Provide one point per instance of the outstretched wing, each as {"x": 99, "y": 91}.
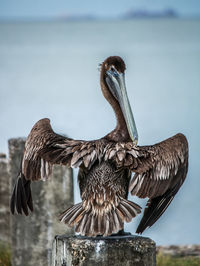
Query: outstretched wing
{"x": 160, "y": 170}
{"x": 43, "y": 148}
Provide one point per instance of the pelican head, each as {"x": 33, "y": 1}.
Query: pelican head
{"x": 113, "y": 78}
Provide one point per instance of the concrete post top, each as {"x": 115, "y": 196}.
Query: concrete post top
{"x": 2, "y": 155}
{"x": 137, "y": 243}
{"x": 3, "y": 159}
{"x": 17, "y": 141}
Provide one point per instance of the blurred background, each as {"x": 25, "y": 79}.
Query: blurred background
{"x": 49, "y": 56}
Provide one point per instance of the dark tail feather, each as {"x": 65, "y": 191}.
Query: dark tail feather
{"x": 21, "y": 198}
{"x": 154, "y": 209}
{"x": 96, "y": 221}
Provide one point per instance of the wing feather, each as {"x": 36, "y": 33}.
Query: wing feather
{"x": 160, "y": 171}
{"x": 43, "y": 148}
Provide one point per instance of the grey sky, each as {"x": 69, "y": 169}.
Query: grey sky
{"x": 105, "y": 8}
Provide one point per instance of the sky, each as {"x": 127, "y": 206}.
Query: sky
{"x": 104, "y": 8}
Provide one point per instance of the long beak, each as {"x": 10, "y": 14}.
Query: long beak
{"x": 116, "y": 84}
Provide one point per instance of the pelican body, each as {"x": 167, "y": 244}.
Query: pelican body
{"x": 105, "y": 167}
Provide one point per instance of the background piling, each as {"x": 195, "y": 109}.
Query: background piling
{"x": 32, "y": 236}
{"x": 4, "y": 200}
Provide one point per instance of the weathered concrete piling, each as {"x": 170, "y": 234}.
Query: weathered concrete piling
{"x": 32, "y": 236}
{"x": 4, "y": 200}
{"x": 103, "y": 251}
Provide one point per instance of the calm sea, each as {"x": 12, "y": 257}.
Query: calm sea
{"x": 51, "y": 70}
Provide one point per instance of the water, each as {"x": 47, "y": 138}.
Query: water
{"x": 51, "y": 70}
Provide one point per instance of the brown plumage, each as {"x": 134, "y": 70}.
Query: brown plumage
{"x": 106, "y": 166}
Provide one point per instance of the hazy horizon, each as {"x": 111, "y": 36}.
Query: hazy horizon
{"x": 26, "y": 9}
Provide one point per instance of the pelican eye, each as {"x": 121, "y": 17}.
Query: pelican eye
{"x": 112, "y": 68}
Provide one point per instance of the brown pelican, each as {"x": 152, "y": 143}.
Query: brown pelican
{"x": 105, "y": 167}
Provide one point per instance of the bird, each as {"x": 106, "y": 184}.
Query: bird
{"x": 109, "y": 168}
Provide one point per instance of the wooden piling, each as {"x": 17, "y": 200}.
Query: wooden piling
{"x": 4, "y": 200}
{"x": 125, "y": 250}
{"x": 32, "y": 236}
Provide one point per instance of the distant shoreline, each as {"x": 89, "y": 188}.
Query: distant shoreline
{"x": 179, "y": 250}
{"x": 75, "y": 20}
